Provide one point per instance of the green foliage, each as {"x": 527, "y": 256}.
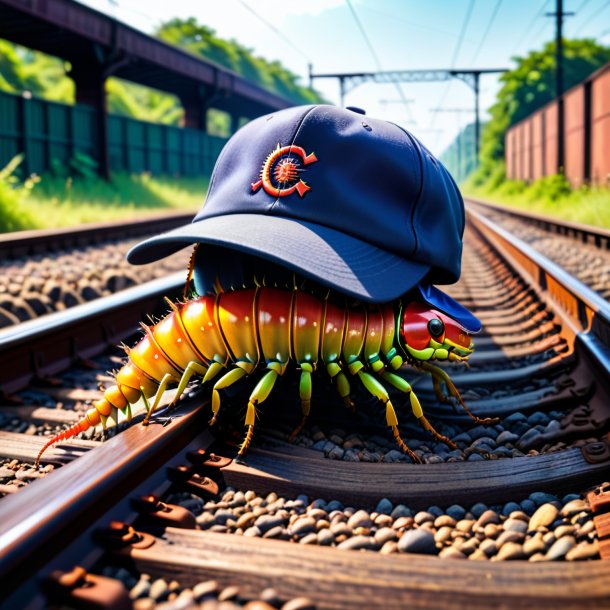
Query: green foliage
{"x": 459, "y": 156}
{"x": 14, "y": 216}
{"x": 529, "y": 86}
{"x": 66, "y": 201}
{"x": 551, "y": 195}
{"x": 202, "y": 40}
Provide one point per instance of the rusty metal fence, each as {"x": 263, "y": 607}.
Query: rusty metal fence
{"x": 531, "y": 144}
{"x": 49, "y": 133}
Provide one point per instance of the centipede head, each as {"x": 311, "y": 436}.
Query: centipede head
{"x": 429, "y": 334}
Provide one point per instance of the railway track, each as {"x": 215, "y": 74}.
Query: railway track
{"x": 582, "y": 250}
{"x": 293, "y": 516}
{"x": 52, "y": 270}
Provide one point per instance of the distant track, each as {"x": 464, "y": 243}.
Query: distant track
{"x": 24, "y": 243}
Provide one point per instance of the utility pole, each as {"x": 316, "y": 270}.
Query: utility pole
{"x": 559, "y": 15}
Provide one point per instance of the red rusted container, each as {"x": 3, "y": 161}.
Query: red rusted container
{"x": 518, "y": 152}
{"x": 574, "y": 135}
{"x": 600, "y": 127}
{"x": 510, "y": 153}
{"x": 550, "y": 138}
{"x": 537, "y": 145}
{"x": 526, "y": 134}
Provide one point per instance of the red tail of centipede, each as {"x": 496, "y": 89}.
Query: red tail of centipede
{"x": 129, "y": 389}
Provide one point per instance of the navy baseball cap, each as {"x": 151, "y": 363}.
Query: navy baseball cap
{"x": 356, "y": 203}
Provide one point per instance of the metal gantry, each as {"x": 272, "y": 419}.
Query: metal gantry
{"x": 471, "y": 76}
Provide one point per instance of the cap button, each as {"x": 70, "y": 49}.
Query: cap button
{"x": 356, "y": 109}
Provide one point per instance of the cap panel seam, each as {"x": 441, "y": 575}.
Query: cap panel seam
{"x": 421, "y": 184}
{"x": 296, "y": 133}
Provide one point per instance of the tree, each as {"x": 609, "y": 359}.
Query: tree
{"x": 202, "y": 40}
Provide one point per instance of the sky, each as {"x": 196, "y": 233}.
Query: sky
{"x": 368, "y": 35}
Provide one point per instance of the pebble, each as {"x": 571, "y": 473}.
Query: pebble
{"x": 325, "y": 537}
{"x": 574, "y": 507}
{"x": 360, "y": 519}
{"x": 489, "y": 547}
{"x": 311, "y": 539}
{"x": 266, "y": 522}
{"x": 534, "y": 545}
{"x": 584, "y": 550}
{"x": 158, "y": 590}
{"x": 443, "y": 521}
{"x": 208, "y": 588}
{"x": 384, "y": 507}
{"x": 540, "y": 497}
{"x": 506, "y": 437}
{"x": 141, "y": 589}
{"x": 228, "y": 594}
{"x": 423, "y": 516}
{"x": 384, "y": 534}
{"x": 515, "y": 525}
{"x": 259, "y": 605}
{"x": 417, "y": 541}
{"x": 509, "y": 551}
{"x": 451, "y": 553}
{"x": 456, "y": 511}
{"x": 400, "y": 510}
{"x": 561, "y": 547}
{"x": 543, "y": 517}
{"x": 360, "y": 542}
{"x": 303, "y": 526}
{"x": 509, "y": 536}
{"x": 489, "y": 516}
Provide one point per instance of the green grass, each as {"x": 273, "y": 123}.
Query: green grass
{"x": 551, "y": 196}
{"x": 58, "y": 202}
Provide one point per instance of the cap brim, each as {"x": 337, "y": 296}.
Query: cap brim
{"x": 331, "y": 257}
{"x": 444, "y": 303}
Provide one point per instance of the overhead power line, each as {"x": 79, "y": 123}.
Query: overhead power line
{"x": 456, "y": 52}
{"x": 530, "y": 27}
{"x": 274, "y": 29}
{"x": 484, "y": 38}
{"x": 602, "y": 8}
{"x": 376, "y": 57}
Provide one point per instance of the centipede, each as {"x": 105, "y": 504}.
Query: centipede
{"x": 260, "y": 331}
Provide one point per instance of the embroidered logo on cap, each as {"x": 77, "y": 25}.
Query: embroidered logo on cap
{"x": 280, "y": 172}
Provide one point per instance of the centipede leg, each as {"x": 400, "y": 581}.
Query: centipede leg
{"x": 216, "y": 367}
{"x": 260, "y": 394}
{"x": 191, "y": 369}
{"x": 377, "y": 390}
{"x": 305, "y": 395}
{"x": 438, "y": 376}
{"x": 343, "y": 388}
{"x": 167, "y": 379}
{"x": 225, "y": 381}
{"x": 403, "y": 385}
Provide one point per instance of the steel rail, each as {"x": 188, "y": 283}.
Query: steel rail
{"x": 44, "y": 520}
{"x": 588, "y": 234}
{"x": 25, "y": 243}
{"x": 587, "y": 313}
{"x": 43, "y": 346}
